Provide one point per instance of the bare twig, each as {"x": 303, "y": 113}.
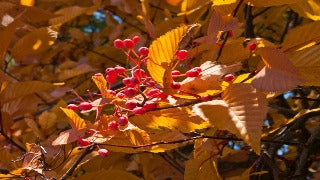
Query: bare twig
{"x": 227, "y": 33}
{"x": 301, "y": 163}
{"x": 261, "y": 12}
{"x": 87, "y": 151}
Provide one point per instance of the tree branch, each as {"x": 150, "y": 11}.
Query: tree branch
{"x": 249, "y": 27}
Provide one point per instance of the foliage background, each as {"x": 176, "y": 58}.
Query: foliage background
{"x": 49, "y": 47}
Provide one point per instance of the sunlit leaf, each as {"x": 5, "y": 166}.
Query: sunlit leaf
{"x": 174, "y": 119}
{"x": 162, "y": 52}
{"x": 210, "y": 78}
{"x": 75, "y": 121}
{"x": 279, "y": 74}
{"x": 259, "y": 3}
{"x": 307, "y": 8}
{"x": 241, "y": 112}
{"x": 27, "y": 2}
{"x": 301, "y": 36}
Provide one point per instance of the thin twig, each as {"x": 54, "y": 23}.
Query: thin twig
{"x": 261, "y": 12}
{"x": 227, "y": 33}
{"x": 87, "y": 151}
{"x": 249, "y": 27}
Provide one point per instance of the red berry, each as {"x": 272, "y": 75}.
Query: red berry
{"x": 111, "y": 79}
{"x": 123, "y": 120}
{"x": 111, "y": 72}
{"x": 181, "y": 54}
{"x": 206, "y": 97}
{"x": 72, "y": 107}
{"x": 85, "y": 106}
{"x": 151, "y": 83}
{"x": 131, "y": 104}
{"x": 118, "y": 43}
{"x": 176, "y": 85}
{"x": 130, "y": 92}
{"x": 218, "y": 44}
{"x": 27, "y": 178}
{"x": 228, "y": 77}
{"x": 126, "y": 81}
{"x": 120, "y": 95}
{"x": 136, "y": 39}
{"x": 83, "y": 142}
{"x": 150, "y": 105}
{"x": 252, "y": 46}
{"x": 192, "y": 73}
{"x": 111, "y": 92}
{"x": 128, "y": 43}
{"x": 153, "y": 93}
{"x": 113, "y": 125}
{"x": 163, "y": 96}
{"x": 90, "y": 132}
{"x": 138, "y": 110}
{"x": 231, "y": 33}
{"x": 134, "y": 81}
{"x": 144, "y": 51}
{"x": 98, "y": 74}
{"x": 120, "y": 69}
{"x": 139, "y": 73}
{"x": 103, "y": 152}
{"x": 198, "y": 69}
{"x": 175, "y": 73}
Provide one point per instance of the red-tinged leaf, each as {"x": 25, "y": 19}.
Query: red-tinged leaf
{"x": 275, "y": 80}
{"x": 279, "y": 74}
{"x": 210, "y": 79}
{"x": 68, "y": 136}
{"x": 218, "y": 23}
{"x": 75, "y": 121}
{"x": 241, "y": 112}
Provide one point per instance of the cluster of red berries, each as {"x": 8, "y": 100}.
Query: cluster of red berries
{"x": 140, "y": 93}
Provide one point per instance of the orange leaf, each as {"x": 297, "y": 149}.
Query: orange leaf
{"x": 75, "y": 121}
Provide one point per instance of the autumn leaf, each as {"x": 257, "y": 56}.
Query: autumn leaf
{"x": 75, "y": 121}
{"x": 20, "y": 89}
{"x": 269, "y": 3}
{"x": 307, "y": 8}
{"x": 243, "y": 115}
{"x": 308, "y": 63}
{"x": 174, "y": 119}
{"x": 68, "y": 136}
{"x": 101, "y": 83}
{"x": 162, "y": 52}
{"x": 306, "y": 33}
{"x": 279, "y": 74}
{"x": 210, "y": 79}
{"x": 218, "y": 23}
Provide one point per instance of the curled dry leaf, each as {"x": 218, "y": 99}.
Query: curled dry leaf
{"x": 241, "y": 112}
{"x": 210, "y": 79}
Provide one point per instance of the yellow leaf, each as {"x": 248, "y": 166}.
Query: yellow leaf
{"x": 68, "y": 136}
{"x": 308, "y": 63}
{"x": 174, "y": 119}
{"x": 47, "y": 120}
{"x": 202, "y": 167}
{"x": 162, "y": 52}
{"x": 33, "y": 43}
{"x": 241, "y": 112}
{"x": 76, "y": 71}
{"x": 138, "y": 137}
{"x": 223, "y": 2}
{"x": 190, "y": 6}
{"x": 101, "y": 83}
{"x": 67, "y": 14}
{"x": 173, "y": 2}
{"x": 307, "y": 8}
{"x": 20, "y": 89}
{"x": 102, "y": 174}
{"x": 210, "y": 79}
{"x": 27, "y": 2}
{"x": 302, "y": 35}
{"x": 268, "y": 3}
{"x": 75, "y": 120}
